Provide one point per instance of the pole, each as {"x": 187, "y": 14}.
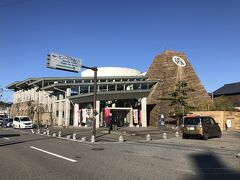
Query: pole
{"x": 95, "y": 69}
{"x": 38, "y": 111}
{"x": 94, "y": 100}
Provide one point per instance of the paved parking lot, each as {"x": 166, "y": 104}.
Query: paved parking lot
{"x": 54, "y": 158}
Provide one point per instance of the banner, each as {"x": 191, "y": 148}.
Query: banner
{"x": 84, "y": 117}
{"x": 135, "y": 116}
{"x": 107, "y": 115}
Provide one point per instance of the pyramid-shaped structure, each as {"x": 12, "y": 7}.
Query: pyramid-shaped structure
{"x": 169, "y": 68}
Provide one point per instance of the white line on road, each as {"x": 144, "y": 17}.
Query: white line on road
{"x": 183, "y": 170}
{"x": 6, "y": 138}
{"x": 53, "y": 154}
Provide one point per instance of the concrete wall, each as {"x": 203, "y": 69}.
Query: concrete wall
{"x": 29, "y": 109}
{"x": 222, "y": 116}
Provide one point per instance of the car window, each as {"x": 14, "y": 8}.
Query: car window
{"x": 25, "y": 119}
{"x": 16, "y": 119}
{"x": 212, "y": 121}
{"x": 9, "y": 120}
{"x": 191, "y": 121}
{"x": 206, "y": 120}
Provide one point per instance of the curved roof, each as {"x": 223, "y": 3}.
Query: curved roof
{"x": 111, "y": 71}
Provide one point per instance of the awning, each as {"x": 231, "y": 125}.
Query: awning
{"x": 109, "y": 95}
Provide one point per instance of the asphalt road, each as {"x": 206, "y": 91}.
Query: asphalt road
{"x": 28, "y": 156}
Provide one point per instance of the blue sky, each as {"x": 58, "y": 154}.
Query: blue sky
{"x": 128, "y": 33}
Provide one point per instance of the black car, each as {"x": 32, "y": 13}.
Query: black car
{"x": 1, "y": 121}
{"x": 2, "y": 116}
{"x": 7, "y": 122}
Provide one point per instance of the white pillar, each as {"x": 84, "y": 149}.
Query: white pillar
{"x": 144, "y": 111}
{"x": 98, "y": 113}
{"x": 40, "y": 96}
{"x": 131, "y": 118}
{"x": 76, "y": 115}
{"x": 29, "y": 95}
{"x": 32, "y": 94}
{"x": 35, "y": 94}
{"x": 21, "y": 94}
{"x": 44, "y": 97}
{"x": 67, "y": 107}
{"x": 24, "y": 96}
{"x": 53, "y": 109}
{"x": 14, "y": 97}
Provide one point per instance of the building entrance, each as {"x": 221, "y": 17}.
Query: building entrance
{"x": 121, "y": 116}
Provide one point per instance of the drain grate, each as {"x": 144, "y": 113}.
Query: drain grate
{"x": 97, "y": 149}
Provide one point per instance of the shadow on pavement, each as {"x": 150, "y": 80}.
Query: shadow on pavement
{"x": 20, "y": 142}
{"x": 209, "y": 167}
{"x": 8, "y": 135}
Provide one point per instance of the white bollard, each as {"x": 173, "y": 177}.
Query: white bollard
{"x": 121, "y": 139}
{"x": 32, "y": 131}
{"x": 54, "y": 134}
{"x": 84, "y": 139}
{"x": 74, "y": 136}
{"x": 68, "y": 136}
{"x": 48, "y": 132}
{"x": 177, "y": 134}
{"x": 148, "y": 137}
{"x": 38, "y": 131}
{"x": 44, "y": 133}
{"x": 59, "y": 134}
{"x": 164, "y": 135}
{"x": 93, "y": 139}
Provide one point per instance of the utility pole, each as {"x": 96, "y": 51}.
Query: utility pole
{"x": 94, "y": 69}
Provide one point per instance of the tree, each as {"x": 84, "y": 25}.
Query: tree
{"x": 178, "y": 100}
{"x": 217, "y": 104}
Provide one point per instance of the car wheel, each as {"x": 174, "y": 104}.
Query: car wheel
{"x": 219, "y": 135}
{"x": 205, "y": 136}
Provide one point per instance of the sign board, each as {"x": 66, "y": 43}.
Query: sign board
{"x": 229, "y": 123}
{"x": 61, "y": 62}
{"x": 161, "y": 119}
{"x": 178, "y": 61}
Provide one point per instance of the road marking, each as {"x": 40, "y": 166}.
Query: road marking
{"x": 53, "y": 154}
{"x": 6, "y": 138}
{"x": 183, "y": 170}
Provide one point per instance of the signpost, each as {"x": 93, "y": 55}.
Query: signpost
{"x": 72, "y": 64}
{"x": 61, "y": 62}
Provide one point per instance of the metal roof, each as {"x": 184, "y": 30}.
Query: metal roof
{"x": 31, "y": 82}
{"x": 228, "y": 89}
{"x": 66, "y": 85}
{"x": 21, "y": 84}
{"x": 110, "y": 95}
